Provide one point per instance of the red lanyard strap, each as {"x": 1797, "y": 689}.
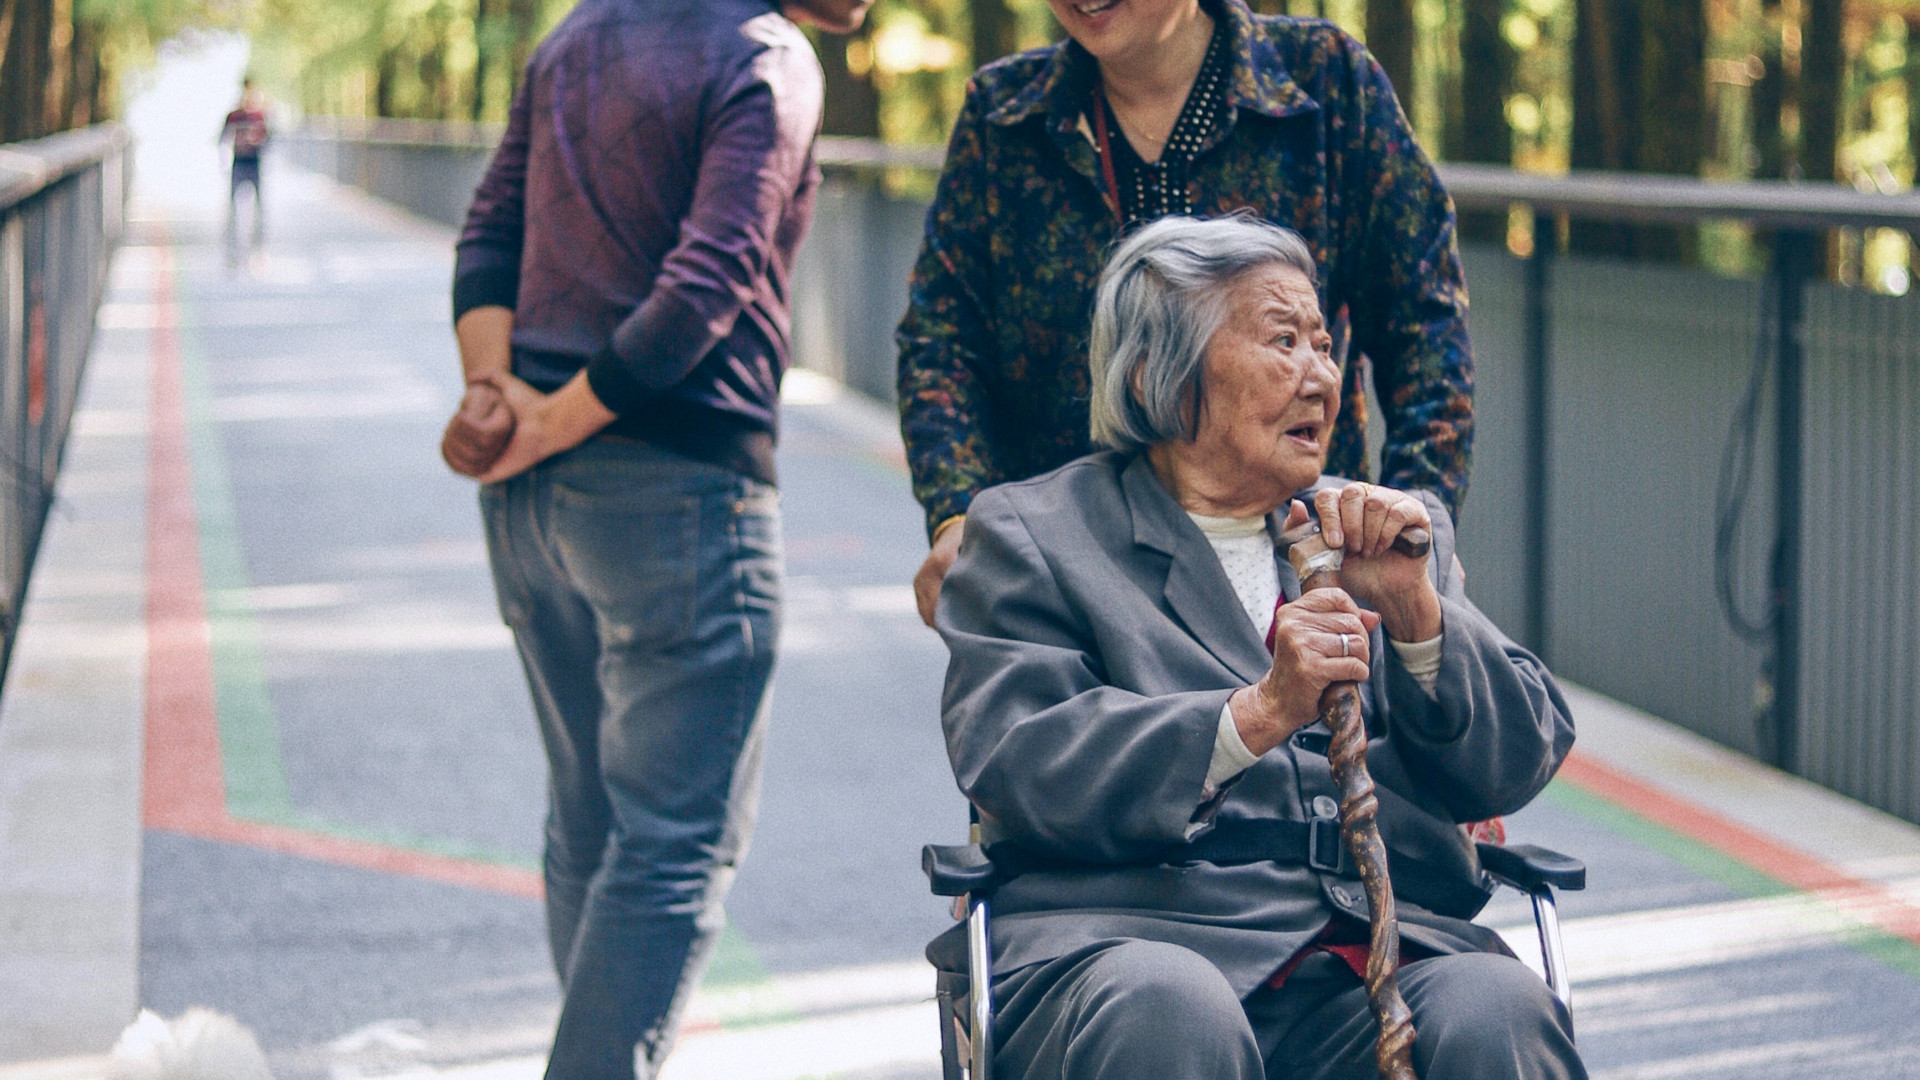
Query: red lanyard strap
{"x": 1105, "y": 146}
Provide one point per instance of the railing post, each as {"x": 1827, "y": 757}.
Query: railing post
{"x": 1539, "y": 358}
{"x": 1792, "y": 265}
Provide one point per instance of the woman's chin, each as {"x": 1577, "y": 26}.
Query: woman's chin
{"x": 1299, "y": 466}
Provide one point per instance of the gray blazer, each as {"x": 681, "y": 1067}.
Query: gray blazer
{"x": 1094, "y": 640}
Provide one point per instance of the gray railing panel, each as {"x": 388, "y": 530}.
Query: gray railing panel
{"x": 1860, "y": 697}
{"x": 1493, "y": 522}
{"x": 850, "y": 281}
{"x": 1647, "y": 369}
{"x": 432, "y": 179}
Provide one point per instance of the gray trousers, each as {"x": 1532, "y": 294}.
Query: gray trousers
{"x": 1162, "y": 1012}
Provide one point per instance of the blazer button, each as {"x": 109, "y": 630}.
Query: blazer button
{"x": 1342, "y": 895}
{"x": 1324, "y": 806}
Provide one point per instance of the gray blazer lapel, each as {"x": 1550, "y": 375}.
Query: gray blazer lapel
{"x": 1197, "y": 589}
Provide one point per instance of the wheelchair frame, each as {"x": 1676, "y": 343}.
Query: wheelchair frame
{"x": 966, "y": 873}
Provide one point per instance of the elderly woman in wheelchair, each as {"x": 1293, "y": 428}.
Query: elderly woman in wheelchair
{"x": 1131, "y": 707}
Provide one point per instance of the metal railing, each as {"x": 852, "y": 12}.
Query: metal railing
{"x": 428, "y": 168}
{"x": 1790, "y": 320}
{"x": 1695, "y": 493}
{"x": 62, "y": 209}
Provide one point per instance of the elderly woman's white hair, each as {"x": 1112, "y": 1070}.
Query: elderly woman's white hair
{"x": 1161, "y": 298}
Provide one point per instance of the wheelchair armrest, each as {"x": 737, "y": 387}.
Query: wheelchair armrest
{"x": 1528, "y": 868}
{"x": 958, "y": 869}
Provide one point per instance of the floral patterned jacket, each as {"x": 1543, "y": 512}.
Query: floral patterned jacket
{"x": 993, "y": 349}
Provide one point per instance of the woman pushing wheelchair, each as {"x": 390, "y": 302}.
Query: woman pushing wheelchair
{"x": 1133, "y": 706}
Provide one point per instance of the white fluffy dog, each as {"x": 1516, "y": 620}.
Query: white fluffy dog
{"x": 199, "y": 1044}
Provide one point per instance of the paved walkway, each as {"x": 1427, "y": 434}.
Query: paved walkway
{"x": 265, "y": 746}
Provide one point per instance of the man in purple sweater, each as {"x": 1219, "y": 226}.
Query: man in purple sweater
{"x": 622, "y": 283}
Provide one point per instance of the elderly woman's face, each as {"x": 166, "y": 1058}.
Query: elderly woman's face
{"x": 1271, "y": 388}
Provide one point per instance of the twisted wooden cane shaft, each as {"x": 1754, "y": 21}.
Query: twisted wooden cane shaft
{"x": 1340, "y": 711}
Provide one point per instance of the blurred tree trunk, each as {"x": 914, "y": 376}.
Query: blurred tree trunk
{"x": 434, "y": 77}
{"x": 1670, "y": 131}
{"x": 852, "y": 105}
{"x": 385, "y": 74}
{"x": 59, "y": 101}
{"x": 23, "y": 71}
{"x": 1822, "y": 75}
{"x": 1486, "y": 77}
{"x": 996, "y": 31}
{"x": 523, "y": 18}
{"x": 489, "y": 25}
{"x": 1602, "y": 72}
{"x": 1269, "y": 7}
{"x": 86, "y": 104}
{"x": 1639, "y": 104}
{"x": 1390, "y": 40}
{"x": 1913, "y": 92}
{"x": 1767, "y": 98}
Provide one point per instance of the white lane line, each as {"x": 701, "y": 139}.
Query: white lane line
{"x": 1701, "y": 1015}
{"x": 823, "y": 1046}
{"x": 418, "y": 399}
{"x": 1693, "y": 1066}
{"x": 785, "y": 997}
{"x": 1675, "y": 939}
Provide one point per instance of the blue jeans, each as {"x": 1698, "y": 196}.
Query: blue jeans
{"x": 643, "y": 589}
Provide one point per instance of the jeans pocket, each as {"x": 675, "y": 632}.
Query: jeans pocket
{"x": 634, "y": 555}
{"x": 508, "y": 588}
{"x": 760, "y": 565}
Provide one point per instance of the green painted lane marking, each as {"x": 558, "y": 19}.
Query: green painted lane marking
{"x": 1717, "y": 866}
{"x": 252, "y": 765}
{"x": 255, "y": 779}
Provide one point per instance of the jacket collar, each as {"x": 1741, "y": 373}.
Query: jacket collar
{"x": 1257, "y": 81}
{"x": 1196, "y": 588}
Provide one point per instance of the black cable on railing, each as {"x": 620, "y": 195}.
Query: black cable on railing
{"x": 1736, "y": 481}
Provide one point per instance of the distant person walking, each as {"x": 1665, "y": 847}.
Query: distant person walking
{"x": 621, "y": 299}
{"x": 246, "y": 130}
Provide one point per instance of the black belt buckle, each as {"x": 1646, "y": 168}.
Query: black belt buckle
{"x": 1325, "y": 852}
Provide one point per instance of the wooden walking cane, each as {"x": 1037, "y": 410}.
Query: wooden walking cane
{"x": 1319, "y": 568}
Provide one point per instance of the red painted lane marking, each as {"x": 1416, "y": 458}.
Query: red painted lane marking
{"x": 384, "y": 858}
{"x": 182, "y": 792}
{"x": 185, "y": 790}
{"x": 1868, "y": 901}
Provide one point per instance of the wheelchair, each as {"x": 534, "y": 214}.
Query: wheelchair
{"x": 969, "y": 873}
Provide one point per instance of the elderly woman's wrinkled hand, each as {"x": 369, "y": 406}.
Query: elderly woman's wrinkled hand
{"x": 1318, "y": 640}
{"x": 1364, "y": 519}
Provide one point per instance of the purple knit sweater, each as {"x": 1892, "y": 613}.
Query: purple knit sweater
{"x": 642, "y": 214}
